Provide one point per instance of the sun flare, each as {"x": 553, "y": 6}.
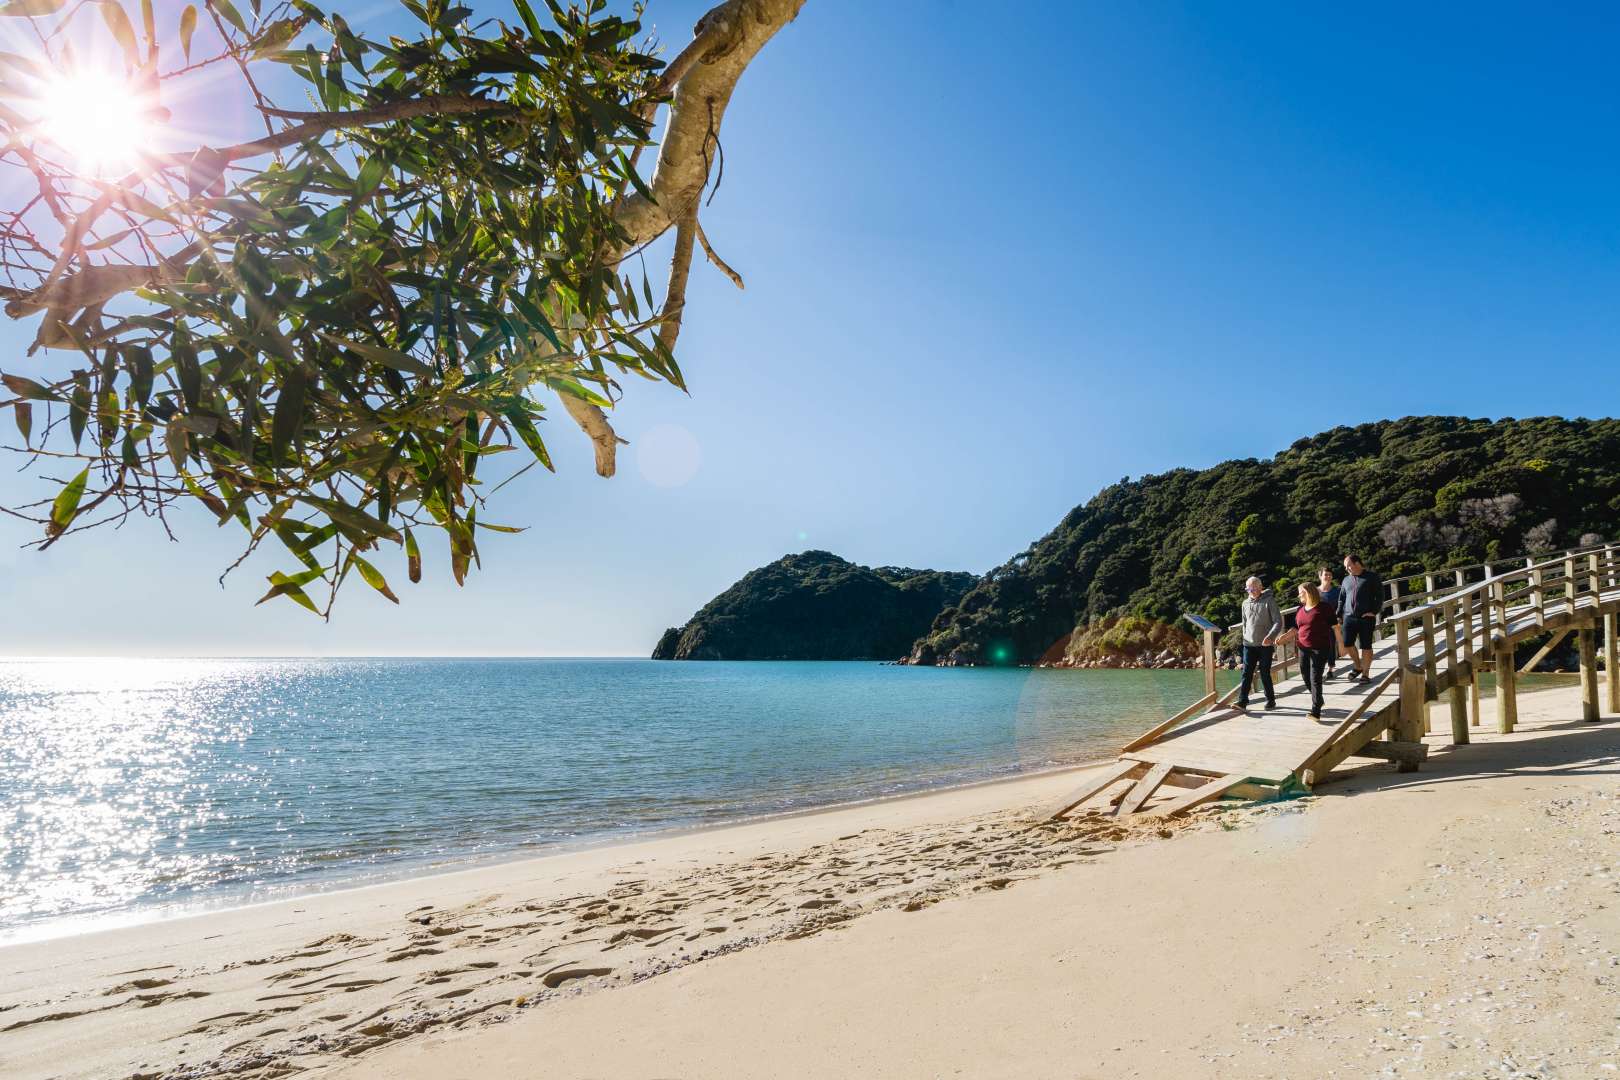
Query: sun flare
{"x": 98, "y": 118}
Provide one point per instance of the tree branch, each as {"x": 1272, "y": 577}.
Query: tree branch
{"x": 680, "y": 268}
{"x": 720, "y": 264}
{"x": 701, "y": 79}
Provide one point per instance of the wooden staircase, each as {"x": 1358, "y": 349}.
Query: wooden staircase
{"x": 1443, "y": 638}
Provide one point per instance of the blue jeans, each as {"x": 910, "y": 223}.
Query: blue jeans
{"x": 1257, "y": 656}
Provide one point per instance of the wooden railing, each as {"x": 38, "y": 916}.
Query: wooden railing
{"x": 1447, "y": 622}
{"x": 1439, "y": 611}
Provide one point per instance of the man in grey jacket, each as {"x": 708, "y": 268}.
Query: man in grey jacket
{"x": 1262, "y": 623}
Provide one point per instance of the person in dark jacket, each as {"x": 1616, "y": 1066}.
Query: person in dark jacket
{"x": 1332, "y": 595}
{"x": 1262, "y": 623}
{"x": 1362, "y": 599}
{"x": 1314, "y": 630}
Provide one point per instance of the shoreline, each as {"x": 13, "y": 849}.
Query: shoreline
{"x": 408, "y": 871}
{"x": 416, "y": 868}
{"x": 913, "y": 936}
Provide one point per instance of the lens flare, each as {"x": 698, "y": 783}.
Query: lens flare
{"x": 98, "y": 118}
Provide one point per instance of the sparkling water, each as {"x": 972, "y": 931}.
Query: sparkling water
{"x": 132, "y": 786}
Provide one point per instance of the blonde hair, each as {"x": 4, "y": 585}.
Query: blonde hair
{"x": 1311, "y": 591}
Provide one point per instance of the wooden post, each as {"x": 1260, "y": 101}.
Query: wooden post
{"x": 1428, "y": 652}
{"x": 1507, "y": 690}
{"x": 1586, "y": 641}
{"x": 1611, "y": 658}
{"x": 1209, "y": 661}
{"x": 1468, "y": 654}
{"x": 1570, "y": 589}
{"x": 1459, "y": 713}
{"x": 1414, "y": 704}
{"x": 1594, "y": 580}
{"x": 1540, "y": 597}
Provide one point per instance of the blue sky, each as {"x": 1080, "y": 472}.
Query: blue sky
{"x": 997, "y": 257}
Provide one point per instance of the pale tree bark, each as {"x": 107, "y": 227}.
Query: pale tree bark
{"x": 701, "y": 79}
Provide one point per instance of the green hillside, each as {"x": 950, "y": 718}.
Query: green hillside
{"x": 1408, "y": 495}
{"x": 816, "y": 606}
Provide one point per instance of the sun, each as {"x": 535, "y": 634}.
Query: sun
{"x": 100, "y": 119}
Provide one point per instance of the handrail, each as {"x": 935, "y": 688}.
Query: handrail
{"x": 1559, "y": 562}
{"x": 1494, "y": 562}
{"x": 1437, "y": 598}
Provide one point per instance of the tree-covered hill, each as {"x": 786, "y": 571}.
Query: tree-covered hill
{"x": 1408, "y": 495}
{"x": 816, "y": 606}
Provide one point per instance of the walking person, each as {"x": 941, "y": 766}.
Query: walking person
{"x": 1331, "y": 595}
{"x": 1313, "y": 629}
{"x": 1262, "y": 623}
{"x": 1362, "y": 597}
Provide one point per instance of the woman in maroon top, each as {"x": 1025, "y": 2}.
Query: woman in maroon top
{"x": 1313, "y": 628}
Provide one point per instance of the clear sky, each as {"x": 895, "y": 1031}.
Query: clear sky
{"x": 999, "y": 256}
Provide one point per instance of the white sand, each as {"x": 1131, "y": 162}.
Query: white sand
{"x": 1460, "y": 921}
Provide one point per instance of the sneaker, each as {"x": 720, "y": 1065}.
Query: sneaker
{"x": 1243, "y": 706}
{"x": 1272, "y": 705}
{"x": 1316, "y": 714}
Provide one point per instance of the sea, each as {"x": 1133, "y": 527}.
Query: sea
{"x": 132, "y": 789}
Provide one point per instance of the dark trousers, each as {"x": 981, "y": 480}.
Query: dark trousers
{"x": 1257, "y": 656}
{"x": 1312, "y": 662}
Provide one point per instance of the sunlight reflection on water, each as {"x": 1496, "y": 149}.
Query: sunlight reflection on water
{"x": 131, "y": 784}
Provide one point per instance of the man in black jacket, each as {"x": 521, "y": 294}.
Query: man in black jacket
{"x": 1361, "y": 598}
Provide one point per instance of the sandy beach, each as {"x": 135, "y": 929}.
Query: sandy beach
{"x": 1461, "y": 921}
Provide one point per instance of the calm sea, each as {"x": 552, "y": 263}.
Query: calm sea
{"x": 132, "y": 786}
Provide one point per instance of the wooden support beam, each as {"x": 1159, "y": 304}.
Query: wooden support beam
{"x": 1095, "y": 783}
{"x": 1402, "y": 752}
{"x": 1542, "y": 653}
{"x": 1209, "y": 662}
{"x": 1507, "y": 700}
{"x": 1586, "y": 643}
{"x": 1160, "y": 729}
{"x": 1458, "y": 696}
{"x": 1611, "y": 658}
{"x": 1198, "y": 796}
{"x": 1144, "y": 789}
{"x": 1414, "y": 707}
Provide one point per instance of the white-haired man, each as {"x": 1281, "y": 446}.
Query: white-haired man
{"x": 1262, "y": 622}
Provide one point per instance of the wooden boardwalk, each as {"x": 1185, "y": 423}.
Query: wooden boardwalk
{"x": 1435, "y": 641}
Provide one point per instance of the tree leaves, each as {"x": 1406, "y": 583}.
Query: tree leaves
{"x": 66, "y": 505}
{"x": 32, "y": 8}
{"x": 341, "y": 335}
{"x": 112, "y": 13}
{"x": 188, "y": 27}
{"x": 28, "y": 389}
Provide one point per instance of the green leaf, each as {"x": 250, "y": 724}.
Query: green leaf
{"x": 531, "y": 438}
{"x": 373, "y": 577}
{"x": 177, "y": 442}
{"x": 188, "y": 27}
{"x": 79, "y": 407}
{"x": 140, "y": 378}
{"x": 66, "y": 505}
{"x": 28, "y": 389}
{"x": 351, "y": 518}
{"x": 25, "y": 419}
{"x": 413, "y": 557}
{"x": 112, "y": 13}
{"x": 387, "y": 357}
{"x": 288, "y": 418}
{"x": 292, "y": 587}
{"x": 228, "y": 11}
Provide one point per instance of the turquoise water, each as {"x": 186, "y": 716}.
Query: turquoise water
{"x": 127, "y": 786}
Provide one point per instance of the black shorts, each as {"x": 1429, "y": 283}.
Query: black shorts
{"x": 1358, "y": 632}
